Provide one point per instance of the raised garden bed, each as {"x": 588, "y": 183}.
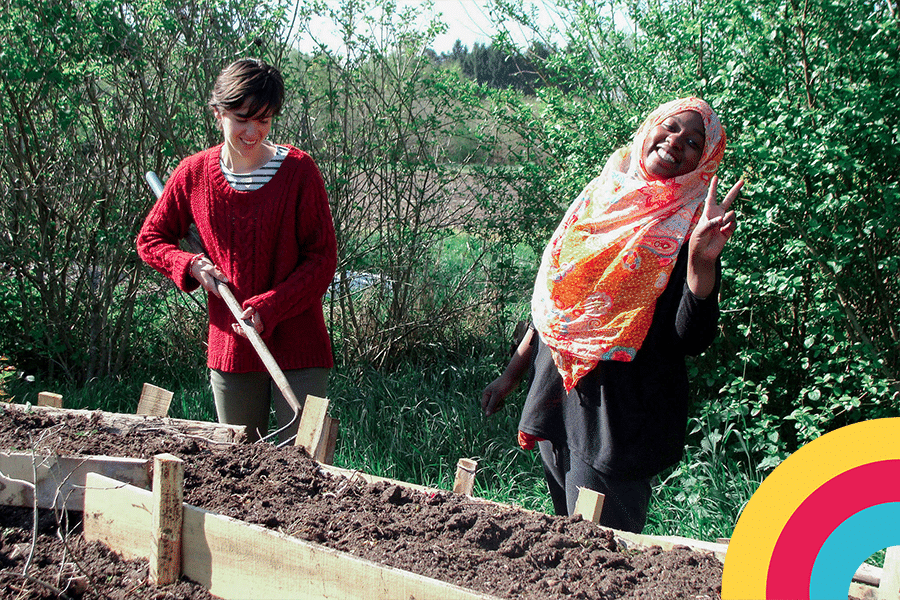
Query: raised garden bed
{"x": 481, "y": 548}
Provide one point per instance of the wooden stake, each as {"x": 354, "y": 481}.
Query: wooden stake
{"x": 589, "y": 504}
{"x": 154, "y": 401}
{"x": 465, "y": 476}
{"x": 312, "y": 424}
{"x": 168, "y": 513}
{"x": 328, "y": 443}
{"x": 889, "y": 588}
{"x": 50, "y": 399}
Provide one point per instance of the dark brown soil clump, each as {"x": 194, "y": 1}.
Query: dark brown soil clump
{"x": 489, "y": 548}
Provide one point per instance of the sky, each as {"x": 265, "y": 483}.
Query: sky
{"x": 468, "y": 21}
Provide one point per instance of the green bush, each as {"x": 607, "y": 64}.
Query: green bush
{"x": 449, "y": 190}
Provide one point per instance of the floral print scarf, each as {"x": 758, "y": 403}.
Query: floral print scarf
{"x": 611, "y": 256}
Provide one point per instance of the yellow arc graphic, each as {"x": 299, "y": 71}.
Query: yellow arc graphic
{"x": 784, "y": 490}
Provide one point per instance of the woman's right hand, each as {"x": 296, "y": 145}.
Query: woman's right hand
{"x": 204, "y": 271}
{"x": 494, "y": 395}
{"x": 717, "y": 224}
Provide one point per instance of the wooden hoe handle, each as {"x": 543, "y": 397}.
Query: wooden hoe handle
{"x": 234, "y": 306}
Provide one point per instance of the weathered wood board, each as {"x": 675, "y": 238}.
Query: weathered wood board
{"x": 240, "y": 560}
{"x": 124, "y": 423}
{"x": 50, "y": 399}
{"x": 64, "y": 478}
{"x": 72, "y": 471}
{"x": 312, "y": 428}
{"x": 154, "y": 401}
{"x": 60, "y": 479}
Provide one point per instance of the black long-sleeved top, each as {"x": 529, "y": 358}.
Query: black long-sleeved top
{"x": 628, "y": 419}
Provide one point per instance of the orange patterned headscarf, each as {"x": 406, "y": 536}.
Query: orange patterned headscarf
{"x": 611, "y": 256}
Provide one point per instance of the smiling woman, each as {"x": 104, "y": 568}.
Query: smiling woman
{"x": 625, "y": 291}
{"x": 674, "y": 147}
{"x": 246, "y": 148}
{"x": 263, "y": 217}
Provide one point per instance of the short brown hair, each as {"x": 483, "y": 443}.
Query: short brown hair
{"x": 249, "y": 80}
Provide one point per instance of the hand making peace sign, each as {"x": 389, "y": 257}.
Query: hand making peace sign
{"x": 717, "y": 223}
{"x": 715, "y": 227}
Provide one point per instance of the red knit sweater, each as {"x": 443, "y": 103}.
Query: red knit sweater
{"x": 275, "y": 244}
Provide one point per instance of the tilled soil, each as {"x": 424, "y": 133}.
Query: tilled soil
{"x": 494, "y": 549}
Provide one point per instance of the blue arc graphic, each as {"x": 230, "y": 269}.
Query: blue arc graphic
{"x": 851, "y": 543}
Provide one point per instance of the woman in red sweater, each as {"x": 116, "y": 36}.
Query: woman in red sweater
{"x": 262, "y": 214}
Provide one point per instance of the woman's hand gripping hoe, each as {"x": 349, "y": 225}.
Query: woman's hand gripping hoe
{"x": 193, "y": 240}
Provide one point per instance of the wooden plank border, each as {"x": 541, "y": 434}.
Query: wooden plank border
{"x": 64, "y": 477}
{"x": 61, "y": 479}
{"x": 124, "y": 423}
{"x": 237, "y": 560}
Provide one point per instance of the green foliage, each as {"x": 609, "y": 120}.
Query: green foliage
{"x": 498, "y": 66}
{"x": 191, "y": 399}
{"x": 812, "y": 292}
{"x": 386, "y": 138}
{"x": 807, "y": 92}
{"x": 444, "y": 188}
{"x": 94, "y": 94}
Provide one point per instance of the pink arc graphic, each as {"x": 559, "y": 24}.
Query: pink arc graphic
{"x": 821, "y": 513}
{"x": 795, "y": 553}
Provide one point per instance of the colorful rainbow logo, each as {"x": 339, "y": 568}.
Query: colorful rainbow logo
{"x": 818, "y": 516}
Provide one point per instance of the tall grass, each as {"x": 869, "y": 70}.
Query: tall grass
{"x": 192, "y": 397}
{"x": 414, "y": 424}
{"x": 414, "y": 421}
{"x": 702, "y": 497}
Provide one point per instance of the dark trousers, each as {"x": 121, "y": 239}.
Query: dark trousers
{"x": 625, "y": 503}
{"x": 246, "y": 398}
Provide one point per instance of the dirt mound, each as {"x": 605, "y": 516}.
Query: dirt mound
{"x": 490, "y": 548}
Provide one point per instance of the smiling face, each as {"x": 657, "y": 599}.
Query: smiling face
{"x": 674, "y": 147}
{"x": 245, "y": 135}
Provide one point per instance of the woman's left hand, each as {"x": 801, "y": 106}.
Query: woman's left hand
{"x": 716, "y": 225}
{"x": 251, "y": 315}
